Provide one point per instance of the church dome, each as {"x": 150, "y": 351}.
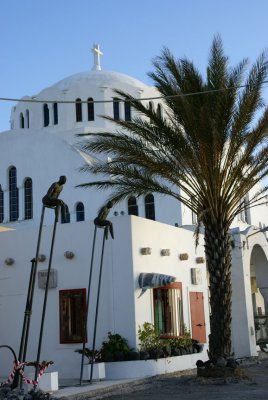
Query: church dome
{"x": 77, "y": 102}
{"x": 99, "y": 79}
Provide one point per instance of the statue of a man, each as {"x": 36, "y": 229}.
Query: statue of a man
{"x": 51, "y": 200}
{"x": 101, "y": 220}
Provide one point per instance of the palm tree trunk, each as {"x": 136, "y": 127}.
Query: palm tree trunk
{"x": 218, "y": 256}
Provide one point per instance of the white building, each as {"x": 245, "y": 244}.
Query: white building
{"x": 41, "y": 146}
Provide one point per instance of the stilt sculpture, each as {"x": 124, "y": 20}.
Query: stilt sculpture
{"x": 100, "y": 222}
{"x": 51, "y": 200}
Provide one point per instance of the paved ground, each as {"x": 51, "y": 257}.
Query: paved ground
{"x": 189, "y": 387}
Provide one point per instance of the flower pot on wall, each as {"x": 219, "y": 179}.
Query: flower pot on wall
{"x": 98, "y": 371}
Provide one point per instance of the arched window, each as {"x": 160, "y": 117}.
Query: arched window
{"x": 27, "y": 119}
{"x": 149, "y": 206}
{"x": 46, "y": 115}
{"x": 127, "y": 111}
{"x": 116, "y": 105}
{"x": 21, "y": 120}
{"x": 1, "y": 205}
{"x": 80, "y": 212}
{"x": 90, "y": 109}
{"x": 132, "y": 206}
{"x": 159, "y": 111}
{"x": 13, "y": 195}
{"x": 55, "y": 113}
{"x": 78, "y": 110}
{"x": 28, "y": 199}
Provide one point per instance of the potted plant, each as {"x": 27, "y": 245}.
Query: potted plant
{"x": 48, "y": 381}
{"x": 150, "y": 343}
{"x": 98, "y": 364}
{"x": 116, "y": 348}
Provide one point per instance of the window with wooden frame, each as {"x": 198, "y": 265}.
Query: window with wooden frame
{"x": 72, "y": 315}
{"x": 168, "y": 311}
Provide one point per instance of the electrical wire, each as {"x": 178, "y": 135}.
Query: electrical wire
{"x": 34, "y": 100}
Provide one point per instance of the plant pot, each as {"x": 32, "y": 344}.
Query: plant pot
{"x": 119, "y": 356}
{"x": 98, "y": 371}
{"x": 144, "y": 355}
{"x": 132, "y": 356}
{"x": 48, "y": 382}
{"x": 107, "y": 356}
{"x": 156, "y": 353}
{"x": 176, "y": 351}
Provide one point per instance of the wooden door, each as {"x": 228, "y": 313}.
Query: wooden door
{"x": 198, "y": 316}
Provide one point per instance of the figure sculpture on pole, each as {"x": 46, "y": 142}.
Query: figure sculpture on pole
{"x": 51, "y": 200}
{"x": 101, "y": 221}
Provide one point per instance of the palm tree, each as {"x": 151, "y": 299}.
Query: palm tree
{"x": 207, "y": 151}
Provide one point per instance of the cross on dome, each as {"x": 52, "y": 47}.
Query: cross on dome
{"x": 97, "y": 53}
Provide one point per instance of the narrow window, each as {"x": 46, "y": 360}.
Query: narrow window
{"x": 55, "y": 113}
{"x": 90, "y": 109}
{"x": 27, "y": 119}
{"x": 168, "y": 312}
{"x": 13, "y": 195}
{"x": 116, "y": 105}
{"x": 1, "y": 205}
{"x": 132, "y": 206}
{"x": 28, "y": 199}
{"x": 80, "y": 212}
{"x": 46, "y": 115}
{"x": 21, "y": 121}
{"x": 149, "y": 207}
{"x": 127, "y": 111}
{"x": 151, "y": 108}
{"x": 72, "y": 307}
{"x": 159, "y": 111}
{"x": 78, "y": 109}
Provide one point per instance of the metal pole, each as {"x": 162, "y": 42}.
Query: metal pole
{"x": 29, "y": 303}
{"x": 105, "y": 234}
{"x": 45, "y": 296}
{"x": 87, "y": 306}
{"x": 27, "y": 315}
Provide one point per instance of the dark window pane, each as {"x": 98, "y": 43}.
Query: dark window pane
{"x": 28, "y": 199}
{"x": 78, "y": 109}
{"x": 80, "y": 212}
{"x": 55, "y": 112}
{"x": 116, "y": 109}
{"x": 46, "y": 115}
{"x": 21, "y": 121}
{"x": 127, "y": 112}
{"x": 13, "y": 195}
{"x": 90, "y": 110}
{"x": 72, "y": 314}
{"x": 132, "y": 206}
{"x": 159, "y": 111}
{"x": 149, "y": 207}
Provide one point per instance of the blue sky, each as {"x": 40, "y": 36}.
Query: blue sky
{"x": 42, "y": 42}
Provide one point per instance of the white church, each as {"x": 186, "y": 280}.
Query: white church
{"x": 153, "y": 234}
